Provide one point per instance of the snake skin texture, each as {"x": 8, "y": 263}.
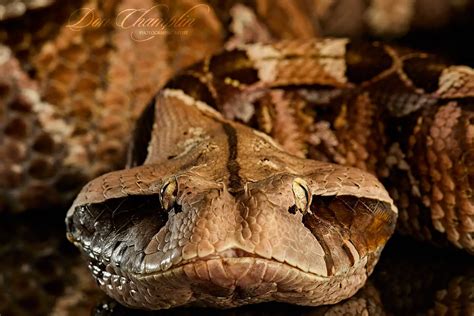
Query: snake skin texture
{"x": 58, "y": 91}
{"x": 51, "y": 55}
{"x": 401, "y": 115}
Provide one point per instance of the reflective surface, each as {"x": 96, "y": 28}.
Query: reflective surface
{"x": 41, "y": 274}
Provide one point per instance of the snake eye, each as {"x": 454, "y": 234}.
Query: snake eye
{"x": 302, "y": 196}
{"x": 168, "y": 194}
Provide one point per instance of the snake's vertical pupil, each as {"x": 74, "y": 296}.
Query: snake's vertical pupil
{"x": 168, "y": 194}
{"x": 302, "y": 195}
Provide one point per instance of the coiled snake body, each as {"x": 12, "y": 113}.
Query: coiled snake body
{"x": 214, "y": 213}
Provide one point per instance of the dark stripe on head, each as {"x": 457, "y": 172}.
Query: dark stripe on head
{"x": 235, "y": 181}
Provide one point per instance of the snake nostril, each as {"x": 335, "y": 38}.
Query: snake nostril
{"x": 292, "y": 209}
{"x": 177, "y": 208}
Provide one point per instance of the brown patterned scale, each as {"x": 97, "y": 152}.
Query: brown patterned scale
{"x": 402, "y": 115}
{"x": 224, "y": 216}
{"x": 69, "y": 97}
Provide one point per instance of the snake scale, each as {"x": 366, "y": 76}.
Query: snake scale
{"x": 213, "y": 208}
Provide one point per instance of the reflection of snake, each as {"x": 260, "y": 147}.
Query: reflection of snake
{"x": 227, "y": 218}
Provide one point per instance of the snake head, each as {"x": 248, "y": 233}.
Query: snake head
{"x": 218, "y": 215}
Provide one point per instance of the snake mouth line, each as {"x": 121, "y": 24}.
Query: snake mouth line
{"x": 100, "y": 267}
{"x": 237, "y": 255}
{"x": 116, "y": 278}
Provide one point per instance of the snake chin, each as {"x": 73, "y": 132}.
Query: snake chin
{"x": 228, "y": 279}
